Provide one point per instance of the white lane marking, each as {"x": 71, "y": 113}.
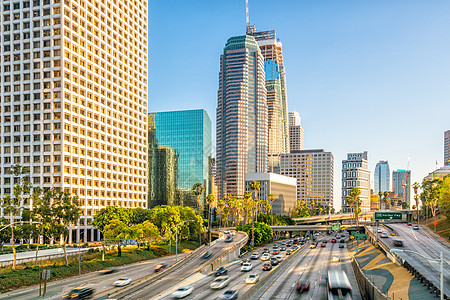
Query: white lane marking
{"x": 412, "y": 231}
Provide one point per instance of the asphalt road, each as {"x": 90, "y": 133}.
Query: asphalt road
{"x": 95, "y": 280}
{"x": 186, "y": 271}
{"x": 422, "y": 242}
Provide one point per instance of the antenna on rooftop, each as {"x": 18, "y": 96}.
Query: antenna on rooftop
{"x": 247, "y": 18}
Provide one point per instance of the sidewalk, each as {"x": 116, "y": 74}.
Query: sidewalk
{"x": 394, "y": 281}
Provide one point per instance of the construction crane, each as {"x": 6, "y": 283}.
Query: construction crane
{"x": 405, "y": 180}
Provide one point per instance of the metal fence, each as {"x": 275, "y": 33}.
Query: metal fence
{"x": 367, "y": 288}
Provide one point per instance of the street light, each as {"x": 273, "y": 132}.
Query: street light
{"x": 441, "y": 260}
{"x": 176, "y": 237}
{"x": 79, "y": 250}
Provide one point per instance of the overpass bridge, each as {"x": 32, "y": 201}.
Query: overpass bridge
{"x": 291, "y": 228}
{"x": 332, "y": 218}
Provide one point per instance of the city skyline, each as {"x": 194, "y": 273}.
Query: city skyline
{"x": 319, "y": 77}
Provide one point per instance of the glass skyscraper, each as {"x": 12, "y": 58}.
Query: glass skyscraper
{"x": 401, "y": 181}
{"x": 382, "y": 177}
{"x": 188, "y": 133}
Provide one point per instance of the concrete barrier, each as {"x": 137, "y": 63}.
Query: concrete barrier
{"x": 367, "y": 288}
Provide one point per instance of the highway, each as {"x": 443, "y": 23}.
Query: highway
{"x": 422, "y": 242}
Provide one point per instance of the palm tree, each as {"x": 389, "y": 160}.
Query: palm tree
{"x": 254, "y": 187}
{"x": 221, "y": 206}
{"x": 416, "y": 187}
{"x": 386, "y": 197}
{"x": 355, "y": 195}
{"x": 271, "y": 198}
{"x": 211, "y": 198}
{"x": 247, "y": 197}
{"x": 380, "y": 194}
{"x": 198, "y": 189}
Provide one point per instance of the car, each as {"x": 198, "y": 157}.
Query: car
{"x": 265, "y": 256}
{"x": 282, "y": 248}
{"x": 228, "y": 239}
{"x": 275, "y": 252}
{"x": 160, "y": 267}
{"x": 220, "y": 282}
{"x": 265, "y": 250}
{"x": 182, "y": 292}
{"x": 280, "y": 259}
{"x": 288, "y": 244}
{"x": 206, "y": 255}
{"x": 283, "y": 244}
{"x": 275, "y": 246}
{"x": 245, "y": 260}
{"x": 333, "y": 240}
{"x": 409, "y": 224}
{"x": 294, "y": 248}
{"x": 122, "y": 281}
{"x": 246, "y": 267}
{"x": 295, "y": 242}
{"x": 341, "y": 245}
{"x": 384, "y": 235}
{"x": 323, "y": 245}
{"x": 230, "y": 295}
{"x": 288, "y": 251}
{"x": 416, "y": 227}
{"x": 252, "y": 279}
{"x": 79, "y": 293}
{"x": 267, "y": 267}
{"x": 233, "y": 233}
{"x": 255, "y": 255}
{"x": 342, "y": 241}
{"x": 379, "y": 230}
{"x": 108, "y": 271}
{"x": 302, "y": 286}
{"x": 335, "y": 259}
{"x": 302, "y": 242}
{"x": 323, "y": 280}
{"x": 398, "y": 243}
{"x": 227, "y": 231}
{"x": 313, "y": 246}
{"x": 220, "y": 271}
{"x": 274, "y": 261}
{"x": 338, "y": 236}
{"x": 325, "y": 241}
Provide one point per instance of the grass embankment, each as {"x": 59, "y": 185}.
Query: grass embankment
{"x": 442, "y": 228}
{"x": 27, "y": 274}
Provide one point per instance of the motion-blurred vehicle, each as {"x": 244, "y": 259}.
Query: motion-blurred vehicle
{"x": 228, "y": 239}
{"x": 255, "y": 255}
{"x": 294, "y": 248}
{"x": 335, "y": 259}
{"x": 267, "y": 267}
{"x": 398, "y": 243}
{"x": 108, "y": 271}
{"x": 342, "y": 241}
{"x": 122, "y": 281}
{"x": 230, "y": 295}
{"x": 338, "y": 286}
{"x": 288, "y": 244}
{"x": 333, "y": 240}
{"x": 79, "y": 293}
{"x": 379, "y": 230}
{"x": 265, "y": 256}
{"x": 275, "y": 246}
{"x": 313, "y": 246}
{"x": 220, "y": 282}
{"x": 227, "y": 231}
{"x": 160, "y": 267}
{"x": 274, "y": 261}
{"x": 302, "y": 286}
{"x": 265, "y": 250}
{"x": 245, "y": 260}
{"x": 282, "y": 248}
{"x": 338, "y": 236}
{"x": 341, "y": 245}
{"x": 246, "y": 267}
{"x": 182, "y": 292}
{"x": 252, "y": 279}
{"x": 288, "y": 251}
{"x": 409, "y": 224}
{"x": 206, "y": 255}
{"x": 416, "y": 227}
{"x": 323, "y": 245}
{"x": 280, "y": 259}
{"x": 384, "y": 235}
{"x": 220, "y": 271}
{"x": 275, "y": 252}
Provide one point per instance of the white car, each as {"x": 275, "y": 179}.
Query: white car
{"x": 265, "y": 256}
{"x": 246, "y": 267}
{"x": 255, "y": 255}
{"x": 379, "y": 230}
{"x": 227, "y": 231}
{"x": 220, "y": 282}
{"x": 336, "y": 259}
{"x": 384, "y": 235}
{"x": 182, "y": 292}
{"x": 252, "y": 279}
{"x": 122, "y": 281}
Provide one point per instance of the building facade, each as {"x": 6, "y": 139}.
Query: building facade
{"x": 284, "y": 188}
{"x": 447, "y": 148}
{"x": 278, "y": 128}
{"x": 74, "y": 100}
{"x": 188, "y": 133}
{"x": 355, "y": 173}
{"x": 382, "y": 177}
{"x": 296, "y": 133}
{"x": 166, "y": 177}
{"x": 314, "y": 171}
{"x": 242, "y": 117}
{"x": 401, "y": 185}
{"x": 439, "y": 173}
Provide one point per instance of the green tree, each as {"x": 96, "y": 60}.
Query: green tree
{"x": 444, "y": 197}
{"x": 254, "y": 187}
{"x": 105, "y": 215}
{"x": 271, "y": 198}
{"x": 386, "y": 199}
{"x": 431, "y": 193}
{"x": 247, "y": 200}
{"x": 354, "y": 195}
{"x": 416, "y": 187}
{"x": 380, "y": 195}
{"x": 197, "y": 190}
{"x": 113, "y": 230}
{"x": 138, "y": 215}
{"x": 262, "y": 232}
{"x": 210, "y": 199}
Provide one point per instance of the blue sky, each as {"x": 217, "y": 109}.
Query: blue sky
{"x": 364, "y": 75}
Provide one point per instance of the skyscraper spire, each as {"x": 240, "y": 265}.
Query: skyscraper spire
{"x": 248, "y": 20}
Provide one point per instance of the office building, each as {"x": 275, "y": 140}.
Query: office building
{"x": 166, "y": 171}
{"x": 296, "y": 133}
{"x": 382, "y": 177}
{"x": 278, "y": 128}
{"x": 314, "y": 171}
{"x": 355, "y": 173}
{"x": 74, "y": 100}
{"x": 241, "y": 145}
{"x": 401, "y": 185}
{"x": 439, "y": 173}
{"x": 447, "y": 148}
{"x": 284, "y": 188}
{"x": 188, "y": 133}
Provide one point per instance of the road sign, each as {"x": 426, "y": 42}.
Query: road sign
{"x": 361, "y": 237}
{"x": 128, "y": 242}
{"x": 336, "y": 226}
{"x": 415, "y": 217}
{"x": 388, "y": 215}
{"x": 435, "y": 223}
{"x": 352, "y": 237}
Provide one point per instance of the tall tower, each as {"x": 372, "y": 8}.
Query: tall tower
{"x": 241, "y": 115}
{"x": 382, "y": 177}
{"x": 447, "y": 148}
{"x": 296, "y": 133}
{"x": 401, "y": 185}
{"x": 355, "y": 173}
{"x": 271, "y": 49}
{"x": 74, "y": 100}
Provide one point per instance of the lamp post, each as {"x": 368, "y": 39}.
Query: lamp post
{"x": 79, "y": 250}
{"x": 440, "y": 260}
{"x": 176, "y": 237}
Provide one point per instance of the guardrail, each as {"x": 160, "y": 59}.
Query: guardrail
{"x": 367, "y": 288}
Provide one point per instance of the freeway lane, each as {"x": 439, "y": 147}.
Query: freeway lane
{"x": 422, "y": 242}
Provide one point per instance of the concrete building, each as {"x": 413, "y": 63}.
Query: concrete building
{"x": 296, "y": 133}
{"x": 382, "y": 177}
{"x": 283, "y": 187}
{"x": 242, "y": 115}
{"x": 355, "y": 173}
{"x": 271, "y": 50}
{"x": 447, "y": 148}
{"x": 401, "y": 185}
{"x": 439, "y": 173}
{"x": 74, "y": 100}
{"x": 314, "y": 171}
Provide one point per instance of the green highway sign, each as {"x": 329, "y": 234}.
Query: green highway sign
{"x": 388, "y": 215}
{"x": 336, "y": 226}
{"x": 361, "y": 237}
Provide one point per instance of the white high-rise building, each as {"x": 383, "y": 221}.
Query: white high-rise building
{"x": 74, "y": 100}
{"x": 355, "y": 173}
{"x": 296, "y": 133}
